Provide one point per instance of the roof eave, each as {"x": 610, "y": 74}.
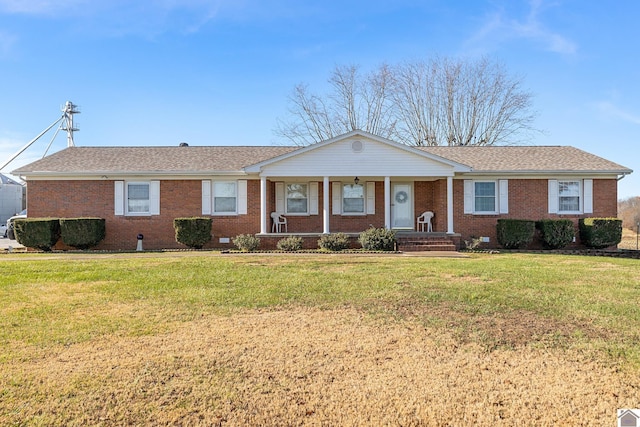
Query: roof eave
{"x": 126, "y": 173}
{"x": 553, "y": 172}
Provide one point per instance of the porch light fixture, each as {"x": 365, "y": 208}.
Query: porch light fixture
{"x": 356, "y": 180}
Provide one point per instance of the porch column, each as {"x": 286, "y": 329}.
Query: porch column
{"x": 263, "y": 205}
{"x": 450, "y": 205}
{"x": 387, "y": 202}
{"x": 325, "y": 205}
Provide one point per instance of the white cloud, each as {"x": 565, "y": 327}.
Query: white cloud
{"x": 499, "y": 28}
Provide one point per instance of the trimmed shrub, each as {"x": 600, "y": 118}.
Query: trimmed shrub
{"x": 378, "y": 239}
{"x": 37, "y": 233}
{"x": 515, "y": 233}
{"x": 556, "y": 233}
{"x": 82, "y": 233}
{"x": 598, "y": 233}
{"x": 290, "y": 244}
{"x": 334, "y": 242}
{"x": 193, "y": 232}
{"x": 246, "y": 242}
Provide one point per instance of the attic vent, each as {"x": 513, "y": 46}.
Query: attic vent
{"x": 357, "y": 146}
{"x": 184, "y": 144}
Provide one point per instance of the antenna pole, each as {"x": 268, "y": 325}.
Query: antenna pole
{"x": 68, "y": 111}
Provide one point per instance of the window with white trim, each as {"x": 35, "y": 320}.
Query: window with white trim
{"x": 484, "y": 193}
{"x": 297, "y": 198}
{"x": 486, "y": 197}
{"x": 138, "y": 200}
{"x": 225, "y": 197}
{"x": 569, "y": 196}
{"x": 353, "y": 199}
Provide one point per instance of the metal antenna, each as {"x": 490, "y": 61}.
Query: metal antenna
{"x": 66, "y": 124}
{"x": 68, "y": 111}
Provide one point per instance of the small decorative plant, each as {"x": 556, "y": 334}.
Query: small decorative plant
{"x": 334, "y": 242}
{"x": 290, "y": 244}
{"x": 246, "y": 242}
{"x": 378, "y": 239}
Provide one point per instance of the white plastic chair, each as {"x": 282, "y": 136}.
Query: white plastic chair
{"x": 425, "y": 219}
{"x": 278, "y": 222}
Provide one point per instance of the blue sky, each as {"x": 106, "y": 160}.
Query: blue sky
{"x": 218, "y": 72}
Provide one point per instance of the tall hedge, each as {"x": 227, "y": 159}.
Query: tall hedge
{"x": 82, "y": 233}
{"x": 37, "y": 233}
{"x": 556, "y": 233}
{"x": 515, "y": 233}
{"x": 598, "y": 233}
{"x": 193, "y": 232}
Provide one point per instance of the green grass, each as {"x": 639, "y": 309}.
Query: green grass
{"x": 593, "y": 302}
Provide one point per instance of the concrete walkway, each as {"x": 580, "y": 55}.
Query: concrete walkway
{"x": 5, "y": 244}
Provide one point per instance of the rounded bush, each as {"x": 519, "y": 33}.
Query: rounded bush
{"x": 378, "y": 239}
{"x": 515, "y": 233}
{"x": 246, "y": 242}
{"x": 193, "y": 232}
{"x": 556, "y": 233}
{"x": 334, "y": 242}
{"x": 290, "y": 244}
{"x": 82, "y": 233}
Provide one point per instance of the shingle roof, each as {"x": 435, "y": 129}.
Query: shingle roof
{"x": 194, "y": 159}
{"x": 153, "y": 159}
{"x": 526, "y": 159}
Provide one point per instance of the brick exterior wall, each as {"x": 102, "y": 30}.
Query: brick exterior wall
{"x": 182, "y": 198}
{"x": 528, "y": 199}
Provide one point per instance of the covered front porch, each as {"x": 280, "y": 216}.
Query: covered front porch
{"x": 326, "y": 205}
{"x": 353, "y": 182}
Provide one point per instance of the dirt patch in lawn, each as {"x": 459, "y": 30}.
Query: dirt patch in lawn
{"x": 311, "y": 367}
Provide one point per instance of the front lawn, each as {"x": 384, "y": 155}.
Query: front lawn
{"x": 201, "y": 338}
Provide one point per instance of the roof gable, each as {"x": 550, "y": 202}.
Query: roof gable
{"x": 358, "y": 153}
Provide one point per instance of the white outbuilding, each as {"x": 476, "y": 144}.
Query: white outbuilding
{"x": 11, "y": 197}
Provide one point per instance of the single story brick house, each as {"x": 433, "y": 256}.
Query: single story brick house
{"x": 345, "y": 184}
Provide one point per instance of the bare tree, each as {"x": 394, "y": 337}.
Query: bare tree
{"x": 441, "y": 101}
{"x": 454, "y": 102}
{"x": 356, "y": 103}
{"x": 629, "y": 212}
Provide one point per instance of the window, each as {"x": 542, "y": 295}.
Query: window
{"x": 485, "y": 197}
{"x": 138, "y": 201}
{"x": 224, "y": 197}
{"x": 297, "y": 200}
{"x": 353, "y": 199}
{"x": 136, "y": 198}
{"x": 568, "y": 196}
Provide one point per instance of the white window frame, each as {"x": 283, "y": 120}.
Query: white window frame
{"x": 364, "y": 199}
{"x": 579, "y": 195}
{"x": 501, "y": 196}
{"x": 213, "y": 198}
{"x": 585, "y": 196}
{"x": 286, "y": 198}
{"x": 127, "y": 212}
{"x": 337, "y": 200}
{"x": 495, "y": 197}
{"x": 121, "y": 198}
